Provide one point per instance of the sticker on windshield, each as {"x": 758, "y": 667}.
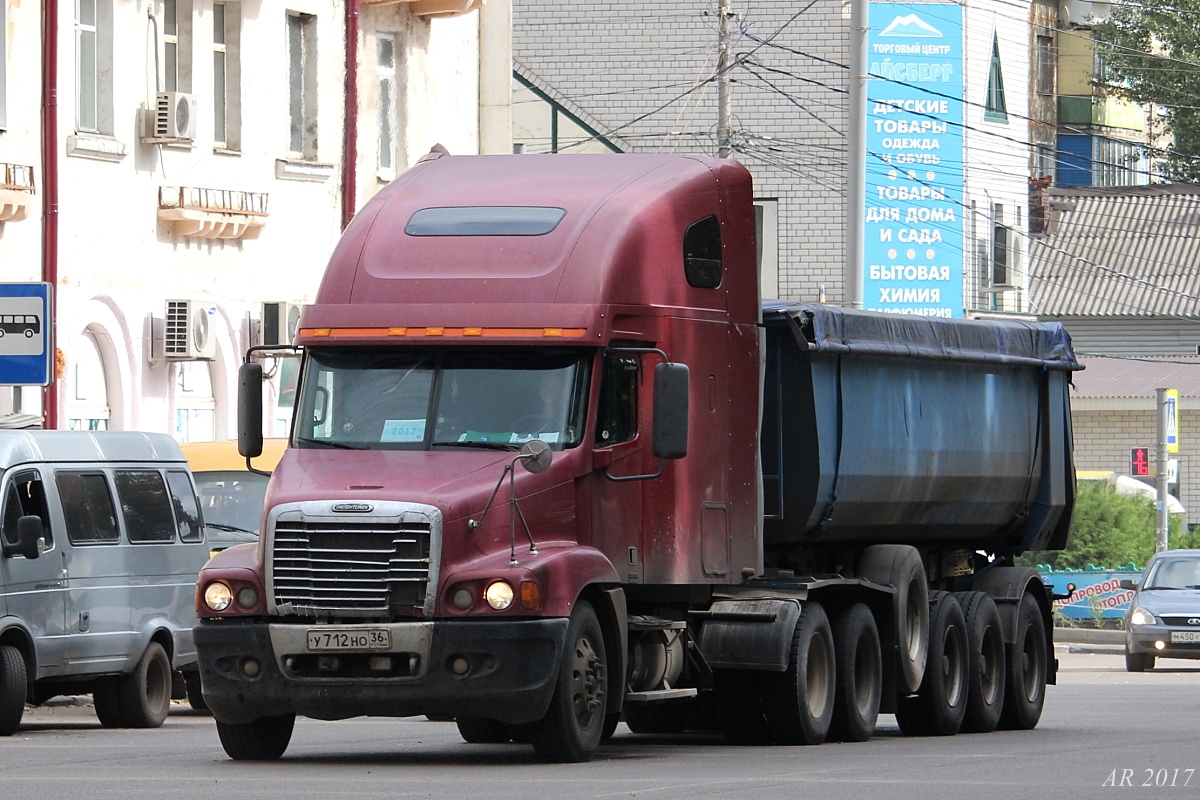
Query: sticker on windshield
{"x": 403, "y": 430}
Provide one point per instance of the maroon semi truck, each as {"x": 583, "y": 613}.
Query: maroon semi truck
{"x": 554, "y": 464}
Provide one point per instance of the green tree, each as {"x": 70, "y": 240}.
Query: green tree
{"x": 1150, "y": 53}
{"x": 1110, "y": 530}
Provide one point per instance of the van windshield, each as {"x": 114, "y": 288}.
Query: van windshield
{"x": 441, "y": 398}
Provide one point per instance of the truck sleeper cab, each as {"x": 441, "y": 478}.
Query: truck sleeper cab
{"x": 524, "y": 485}
{"x": 102, "y": 538}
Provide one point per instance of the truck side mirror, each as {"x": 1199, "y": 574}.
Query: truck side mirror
{"x": 250, "y": 427}
{"x": 670, "y": 434}
{"x": 30, "y": 541}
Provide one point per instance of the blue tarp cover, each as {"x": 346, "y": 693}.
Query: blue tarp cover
{"x": 831, "y": 329}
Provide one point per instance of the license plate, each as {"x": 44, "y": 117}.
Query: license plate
{"x": 1185, "y": 636}
{"x": 349, "y": 639}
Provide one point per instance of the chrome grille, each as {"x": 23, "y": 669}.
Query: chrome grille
{"x": 364, "y": 567}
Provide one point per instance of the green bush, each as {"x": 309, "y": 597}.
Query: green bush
{"x": 1110, "y": 530}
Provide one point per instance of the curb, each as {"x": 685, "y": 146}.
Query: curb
{"x": 1094, "y": 636}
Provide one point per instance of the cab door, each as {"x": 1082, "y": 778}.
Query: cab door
{"x": 617, "y": 455}
{"x": 34, "y": 589}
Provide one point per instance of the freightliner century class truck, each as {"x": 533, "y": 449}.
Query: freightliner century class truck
{"x": 554, "y": 464}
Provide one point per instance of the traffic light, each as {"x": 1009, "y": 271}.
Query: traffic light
{"x": 1139, "y": 461}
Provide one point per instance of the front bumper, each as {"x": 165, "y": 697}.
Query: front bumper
{"x": 1143, "y": 639}
{"x": 512, "y": 666}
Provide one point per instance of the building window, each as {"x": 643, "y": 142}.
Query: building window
{"x": 195, "y": 407}
{"x": 385, "y": 50}
{"x": 227, "y": 75}
{"x": 1118, "y": 163}
{"x": 1045, "y": 65}
{"x": 302, "y": 84}
{"x": 996, "y": 109}
{"x": 177, "y": 45}
{"x": 3, "y": 61}
{"x": 87, "y": 404}
{"x": 93, "y": 66}
{"x": 1000, "y": 247}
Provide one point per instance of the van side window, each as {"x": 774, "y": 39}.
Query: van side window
{"x": 145, "y": 505}
{"x": 88, "y": 507}
{"x": 617, "y": 414}
{"x": 187, "y": 511}
{"x": 25, "y": 496}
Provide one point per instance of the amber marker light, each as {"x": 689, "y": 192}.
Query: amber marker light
{"x": 531, "y": 595}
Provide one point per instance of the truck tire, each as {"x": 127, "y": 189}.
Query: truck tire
{"x": 481, "y": 730}
{"x": 1025, "y": 678}
{"x": 940, "y": 704}
{"x": 668, "y": 717}
{"x": 900, "y": 566}
{"x": 13, "y": 685}
{"x": 798, "y": 702}
{"x": 264, "y": 739}
{"x": 106, "y": 698}
{"x": 611, "y": 720}
{"x": 859, "y": 665}
{"x": 145, "y": 693}
{"x": 570, "y": 731}
{"x": 985, "y": 673}
{"x": 1138, "y": 662}
{"x": 739, "y": 711}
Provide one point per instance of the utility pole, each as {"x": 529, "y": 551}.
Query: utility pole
{"x": 724, "y": 125}
{"x": 1163, "y": 415}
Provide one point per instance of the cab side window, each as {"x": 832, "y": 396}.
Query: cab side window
{"x": 25, "y": 496}
{"x": 145, "y": 505}
{"x": 617, "y": 413}
{"x": 187, "y": 510}
{"x": 88, "y": 506}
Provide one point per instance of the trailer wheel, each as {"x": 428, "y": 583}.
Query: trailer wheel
{"x": 570, "y": 731}
{"x": 985, "y": 667}
{"x": 611, "y": 719}
{"x": 13, "y": 677}
{"x": 264, "y": 739}
{"x": 1025, "y": 681}
{"x": 799, "y": 702}
{"x": 900, "y": 566}
{"x": 739, "y": 711}
{"x": 941, "y": 702}
{"x": 481, "y": 730}
{"x": 145, "y": 693}
{"x": 667, "y": 717}
{"x": 859, "y": 664}
{"x": 106, "y": 698}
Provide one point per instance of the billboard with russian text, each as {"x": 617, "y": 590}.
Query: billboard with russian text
{"x": 913, "y": 250}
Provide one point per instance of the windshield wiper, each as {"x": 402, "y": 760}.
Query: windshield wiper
{"x": 220, "y": 526}
{"x": 1160, "y": 586}
{"x": 508, "y": 446}
{"x": 327, "y": 443}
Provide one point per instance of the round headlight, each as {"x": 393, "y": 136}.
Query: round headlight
{"x": 218, "y": 596}
{"x": 247, "y": 597}
{"x": 1141, "y": 616}
{"x": 463, "y": 599}
{"x": 499, "y": 595}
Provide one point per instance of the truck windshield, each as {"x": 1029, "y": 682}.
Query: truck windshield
{"x": 451, "y": 398}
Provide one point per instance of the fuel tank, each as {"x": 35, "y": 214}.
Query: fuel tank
{"x": 883, "y": 428}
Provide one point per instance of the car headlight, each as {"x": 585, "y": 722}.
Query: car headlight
{"x": 1141, "y": 616}
{"x": 218, "y": 596}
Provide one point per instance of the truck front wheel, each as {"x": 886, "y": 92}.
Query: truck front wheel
{"x": 264, "y": 739}
{"x": 570, "y": 731}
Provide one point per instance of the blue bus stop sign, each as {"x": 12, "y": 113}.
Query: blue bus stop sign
{"x": 26, "y": 335}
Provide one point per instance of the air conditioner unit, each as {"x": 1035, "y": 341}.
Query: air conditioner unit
{"x": 279, "y": 323}
{"x": 187, "y": 332}
{"x": 174, "y": 118}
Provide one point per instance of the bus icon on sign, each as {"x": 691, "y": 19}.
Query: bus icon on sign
{"x": 27, "y": 325}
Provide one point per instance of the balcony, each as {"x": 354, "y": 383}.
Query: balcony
{"x": 433, "y": 8}
{"x": 212, "y": 213}
{"x": 16, "y": 188}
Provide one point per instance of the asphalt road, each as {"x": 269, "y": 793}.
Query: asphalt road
{"x": 1101, "y": 725}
